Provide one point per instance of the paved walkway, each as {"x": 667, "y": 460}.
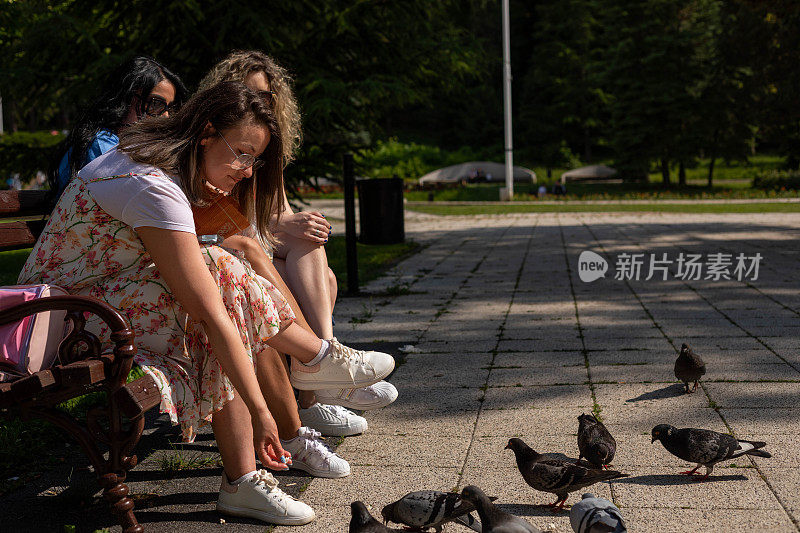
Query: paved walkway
{"x": 512, "y": 343}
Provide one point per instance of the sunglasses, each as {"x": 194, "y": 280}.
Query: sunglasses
{"x": 243, "y": 161}
{"x": 155, "y": 106}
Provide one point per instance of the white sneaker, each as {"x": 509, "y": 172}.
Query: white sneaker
{"x": 259, "y": 497}
{"x": 375, "y": 396}
{"x": 310, "y": 454}
{"x": 344, "y": 367}
{"x": 332, "y": 420}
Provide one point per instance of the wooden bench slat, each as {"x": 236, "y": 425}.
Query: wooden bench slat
{"x": 81, "y": 373}
{"x": 138, "y": 397}
{"x": 16, "y": 235}
{"x": 24, "y": 203}
{"x": 29, "y": 386}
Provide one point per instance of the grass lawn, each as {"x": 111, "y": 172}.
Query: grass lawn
{"x": 698, "y": 207}
{"x": 373, "y": 259}
{"x": 732, "y": 180}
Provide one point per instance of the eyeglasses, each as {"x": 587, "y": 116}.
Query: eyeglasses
{"x": 242, "y": 161}
{"x": 155, "y": 106}
{"x": 269, "y": 96}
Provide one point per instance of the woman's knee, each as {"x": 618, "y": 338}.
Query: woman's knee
{"x": 287, "y": 243}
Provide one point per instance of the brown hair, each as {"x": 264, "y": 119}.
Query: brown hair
{"x": 238, "y": 65}
{"x": 173, "y": 145}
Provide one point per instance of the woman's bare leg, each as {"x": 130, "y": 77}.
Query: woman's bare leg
{"x": 234, "y": 434}
{"x": 267, "y": 379}
{"x": 272, "y": 372}
{"x": 305, "y": 270}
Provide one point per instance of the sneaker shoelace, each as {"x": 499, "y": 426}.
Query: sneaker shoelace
{"x": 262, "y": 477}
{"x": 344, "y": 354}
{"x": 338, "y": 411}
{"x": 311, "y": 441}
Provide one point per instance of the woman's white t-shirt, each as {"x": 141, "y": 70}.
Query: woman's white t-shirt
{"x": 143, "y": 196}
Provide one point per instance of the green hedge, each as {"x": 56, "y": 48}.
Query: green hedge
{"x": 26, "y": 152}
{"x": 778, "y": 180}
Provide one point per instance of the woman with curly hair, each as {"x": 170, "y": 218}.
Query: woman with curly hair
{"x": 298, "y": 254}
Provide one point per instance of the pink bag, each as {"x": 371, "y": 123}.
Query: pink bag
{"x": 32, "y": 343}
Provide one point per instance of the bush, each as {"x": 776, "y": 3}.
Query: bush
{"x": 777, "y": 180}
{"x": 411, "y": 161}
{"x": 26, "y": 153}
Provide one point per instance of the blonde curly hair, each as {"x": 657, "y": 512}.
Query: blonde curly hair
{"x": 241, "y": 63}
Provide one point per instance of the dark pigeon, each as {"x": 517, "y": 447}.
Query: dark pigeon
{"x": 556, "y": 475}
{"x": 704, "y": 447}
{"x": 595, "y": 442}
{"x": 424, "y": 509}
{"x": 689, "y": 367}
{"x": 363, "y": 522}
{"x": 495, "y": 520}
{"x": 596, "y": 515}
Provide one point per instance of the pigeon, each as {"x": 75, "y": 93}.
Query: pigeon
{"x": 363, "y": 522}
{"x": 689, "y": 367}
{"x": 595, "y": 442}
{"x": 495, "y": 520}
{"x": 556, "y": 475}
{"x": 425, "y": 509}
{"x": 596, "y": 515}
{"x": 704, "y": 447}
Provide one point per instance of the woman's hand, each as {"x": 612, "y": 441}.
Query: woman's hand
{"x": 310, "y": 225}
{"x": 267, "y": 443}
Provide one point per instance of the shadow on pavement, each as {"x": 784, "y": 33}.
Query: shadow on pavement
{"x": 671, "y": 480}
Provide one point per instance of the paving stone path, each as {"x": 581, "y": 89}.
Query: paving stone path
{"x": 511, "y": 342}
{"x": 508, "y": 341}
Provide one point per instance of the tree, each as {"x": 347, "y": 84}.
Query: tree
{"x": 562, "y": 107}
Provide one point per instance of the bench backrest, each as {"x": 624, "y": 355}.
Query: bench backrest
{"x": 23, "y": 215}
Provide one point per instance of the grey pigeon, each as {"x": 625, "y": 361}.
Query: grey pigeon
{"x": 363, "y": 522}
{"x": 556, "y": 475}
{"x": 704, "y": 447}
{"x": 596, "y": 515}
{"x": 495, "y": 520}
{"x": 595, "y": 442}
{"x": 689, "y": 367}
{"x": 424, "y": 509}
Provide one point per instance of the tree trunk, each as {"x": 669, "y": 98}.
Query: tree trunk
{"x": 681, "y": 174}
{"x": 587, "y": 146}
{"x": 665, "y": 171}
{"x": 711, "y": 172}
{"x": 12, "y": 115}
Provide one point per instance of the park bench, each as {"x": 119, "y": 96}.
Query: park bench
{"x": 111, "y": 429}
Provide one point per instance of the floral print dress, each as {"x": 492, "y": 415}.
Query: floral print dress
{"x": 86, "y": 251}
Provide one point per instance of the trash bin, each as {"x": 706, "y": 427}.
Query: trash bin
{"x": 380, "y": 209}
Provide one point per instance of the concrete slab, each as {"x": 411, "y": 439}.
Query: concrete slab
{"x": 549, "y": 375}
{"x": 537, "y": 359}
{"x": 736, "y": 488}
{"x": 680, "y": 520}
{"x": 754, "y": 395}
{"x": 553, "y": 396}
{"x": 778, "y": 421}
{"x": 507, "y": 423}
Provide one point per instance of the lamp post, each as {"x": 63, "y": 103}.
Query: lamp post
{"x": 509, "y": 147}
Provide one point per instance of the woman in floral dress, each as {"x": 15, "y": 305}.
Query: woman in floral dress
{"x": 123, "y": 232}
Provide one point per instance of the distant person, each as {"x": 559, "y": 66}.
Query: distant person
{"x": 542, "y": 191}
{"x": 135, "y": 89}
